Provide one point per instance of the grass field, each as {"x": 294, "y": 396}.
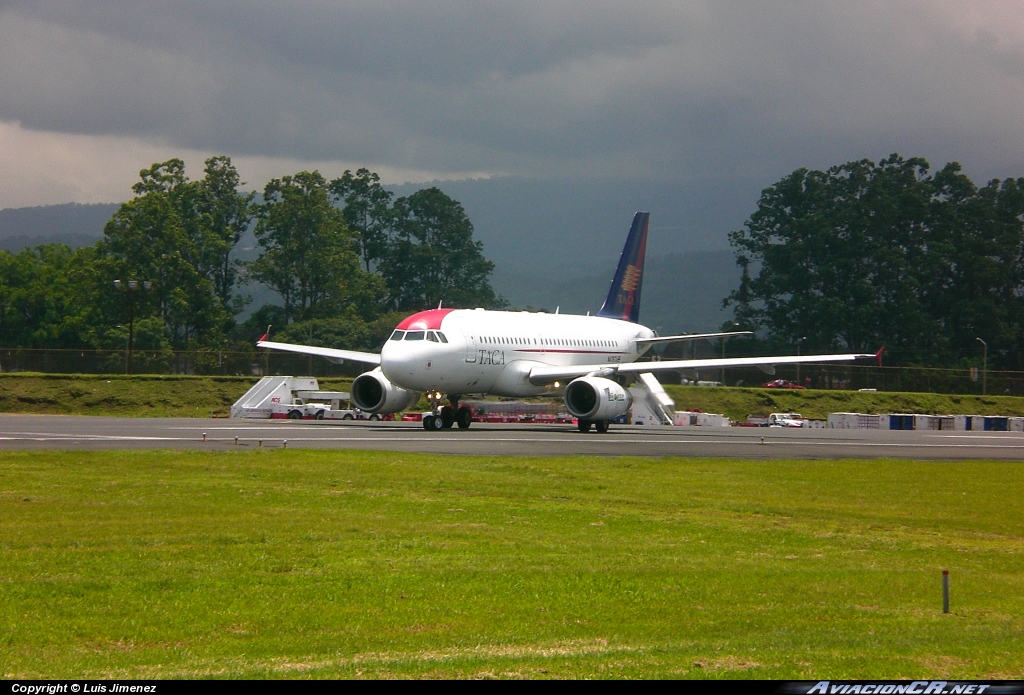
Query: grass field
{"x": 128, "y": 396}
{"x": 316, "y": 564}
{"x": 201, "y": 396}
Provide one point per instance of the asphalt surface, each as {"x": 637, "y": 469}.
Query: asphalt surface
{"x": 99, "y": 433}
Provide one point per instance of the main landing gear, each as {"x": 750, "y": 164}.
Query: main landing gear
{"x": 444, "y": 417}
{"x": 600, "y": 426}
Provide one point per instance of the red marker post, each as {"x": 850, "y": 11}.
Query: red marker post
{"x": 945, "y": 591}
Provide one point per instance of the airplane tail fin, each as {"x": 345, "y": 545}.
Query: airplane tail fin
{"x": 623, "y": 300}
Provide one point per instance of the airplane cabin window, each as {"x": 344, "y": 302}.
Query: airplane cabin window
{"x": 397, "y": 335}
{"x": 414, "y": 335}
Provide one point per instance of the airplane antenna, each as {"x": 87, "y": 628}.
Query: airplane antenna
{"x": 557, "y": 308}
{"x": 440, "y": 303}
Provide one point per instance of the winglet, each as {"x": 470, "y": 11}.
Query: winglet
{"x": 623, "y": 301}
{"x": 878, "y": 355}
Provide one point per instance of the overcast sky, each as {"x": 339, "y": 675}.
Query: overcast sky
{"x": 91, "y": 92}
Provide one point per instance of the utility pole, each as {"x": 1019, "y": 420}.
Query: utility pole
{"x": 724, "y": 338}
{"x": 130, "y": 287}
{"x": 984, "y": 368}
{"x": 798, "y": 343}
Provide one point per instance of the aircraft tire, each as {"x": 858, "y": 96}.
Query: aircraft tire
{"x": 432, "y": 423}
{"x": 447, "y": 417}
{"x": 601, "y": 426}
{"x": 584, "y": 425}
{"x": 464, "y": 417}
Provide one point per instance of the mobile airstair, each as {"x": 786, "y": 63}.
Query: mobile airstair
{"x": 651, "y": 405}
{"x": 273, "y": 395}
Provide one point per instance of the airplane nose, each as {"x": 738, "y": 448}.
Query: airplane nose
{"x": 394, "y": 360}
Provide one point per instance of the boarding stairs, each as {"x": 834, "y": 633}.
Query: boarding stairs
{"x": 257, "y": 401}
{"x": 651, "y": 405}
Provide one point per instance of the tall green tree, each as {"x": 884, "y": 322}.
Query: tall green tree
{"x": 180, "y": 235}
{"x": 308, "y": 255}
{"x": 367, "y": 212}
{"x": 155, "y": 237}
{"x": 867, "y": 254}
{"x": 433, "y": 258}
{"x": 226, "y": 215}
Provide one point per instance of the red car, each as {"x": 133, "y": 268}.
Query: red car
{"x": 782, "y": 384}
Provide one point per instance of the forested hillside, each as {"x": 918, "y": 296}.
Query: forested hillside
{"x": 73, "y": 224}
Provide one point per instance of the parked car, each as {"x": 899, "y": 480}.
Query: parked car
{"x": 782, "y": 384}
{"x": 786, "y": 420}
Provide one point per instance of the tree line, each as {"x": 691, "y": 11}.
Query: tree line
{"x": 858, "y": 256}
{"x": 345, "y": 256}
{"x": 890, "y": 253}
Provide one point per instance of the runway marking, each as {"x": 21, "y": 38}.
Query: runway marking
{"x": 43, "y": 436}
{"x": 569, "y": 439}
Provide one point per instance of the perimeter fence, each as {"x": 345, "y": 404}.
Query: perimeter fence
{"x": 210, "y": 362}
{"x": 261, "y": 363}
{"x": 861, "y": 376}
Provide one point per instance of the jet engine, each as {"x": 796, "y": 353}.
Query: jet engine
{"x": 596, "y": 398}
{"x": 372, "y": 392}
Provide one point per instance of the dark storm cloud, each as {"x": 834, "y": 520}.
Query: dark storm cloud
{"x": 671, "y": 89}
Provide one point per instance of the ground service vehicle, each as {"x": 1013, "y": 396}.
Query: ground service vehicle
{"x": 786, "y": 420}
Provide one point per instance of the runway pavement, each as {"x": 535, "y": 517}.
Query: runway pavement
{"x": 91, "y": 433}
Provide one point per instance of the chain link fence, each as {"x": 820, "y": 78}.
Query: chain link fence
{"x": 857, "y": 376}
{"x": 209, "y": 362}
{"x": 260, "y": 363}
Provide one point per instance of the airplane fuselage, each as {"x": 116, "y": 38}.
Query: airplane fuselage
{"x": 492, "y": 352}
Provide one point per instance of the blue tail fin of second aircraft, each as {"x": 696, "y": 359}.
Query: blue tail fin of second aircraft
{"x": 623, "y": 300}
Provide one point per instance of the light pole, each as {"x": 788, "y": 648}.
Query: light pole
{"x": 724, "y": 338}
{"x": 798, "y": 343}
{"x": 130, "y": 287}
{"x": 984, "y": 368}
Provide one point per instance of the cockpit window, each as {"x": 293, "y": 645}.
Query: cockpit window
{"x": 397, "y": 335}
{"x": 414, "y": 335}
{"x": 441, "y": 336}
{"x": 431, "y": 336}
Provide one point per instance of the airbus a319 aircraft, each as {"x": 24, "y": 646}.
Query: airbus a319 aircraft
{"x": 590, "y": 360}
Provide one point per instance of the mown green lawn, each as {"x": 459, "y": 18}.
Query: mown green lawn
{"x": 341, "y": 564}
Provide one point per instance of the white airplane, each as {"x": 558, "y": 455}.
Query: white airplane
{"x": 591, "y": 360}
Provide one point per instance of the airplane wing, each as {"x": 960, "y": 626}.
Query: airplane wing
{"x": 547, "y": 375}
{"x": 687, "y": 336}
{"x": 336, "y": 356}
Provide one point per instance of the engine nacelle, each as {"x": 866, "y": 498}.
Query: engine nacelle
{"x": 374, "y": 393}
{"x": 596, "y": 398}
